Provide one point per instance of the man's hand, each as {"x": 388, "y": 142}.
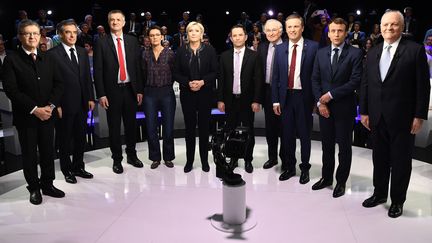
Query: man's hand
{"x": 60, "y": 112}
{"x": 277, "y": 109}
{"x": 416, "y": 125}
{"x": 221, "y": 106}
{"x": 91, "y": 105}
{"x": 103, "y": 101}
{"x": 325, "y": 98}
{"x": 43, "y": 113}
{"x": 324, "y": 110}
{"x": 255, "y": 107}
{"x": 365, "y": 121}
{"x": 139, "y": 98}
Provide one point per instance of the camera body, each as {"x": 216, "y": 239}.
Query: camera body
{"x": 229, "y": 144}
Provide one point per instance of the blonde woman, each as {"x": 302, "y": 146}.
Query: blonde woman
{"x": 195, "y": 70}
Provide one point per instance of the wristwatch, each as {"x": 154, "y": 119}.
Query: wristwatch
{"x": 52, "y": 106}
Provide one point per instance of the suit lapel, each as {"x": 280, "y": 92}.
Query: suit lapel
{"x": 379, "y": 50}
{"x": 399, "y": 52}
{"x": 65, "y": 58}
{"x": 340, "y": 59}
{"x": 112, "y": 46}
{"x": 305, "y": 47}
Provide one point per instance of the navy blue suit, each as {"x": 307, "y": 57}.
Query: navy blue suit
{"x": 297, "y": 106}
{"x": 341, "y": 83}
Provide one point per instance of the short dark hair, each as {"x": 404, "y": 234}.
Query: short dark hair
{"x": 154, "y": 27}
{"x": 239, "y": 26}
{"x": 26, "y": 22}
{"x": 63, "y": 23}
{"x": 339, "y": 21}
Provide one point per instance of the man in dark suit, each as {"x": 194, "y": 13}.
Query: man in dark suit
{"x": 34, "y": 88}
{"x": 292, "y": 95}
{"x": 73, "y": 64}
{"x": 336, "y": 76}
{"x": 239, "y": 87}
{"x": 119, "y": 86}
{"x": 133, "y": 27}
{"x": 273, "y": 31}
{"x": 394, "y": 102}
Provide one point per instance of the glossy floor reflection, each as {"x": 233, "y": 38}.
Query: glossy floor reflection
{"x": 167, "y": 205}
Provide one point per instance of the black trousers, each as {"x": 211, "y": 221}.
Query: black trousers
{"x": 272, "y": 127}
{"x": 392, "y": 154}
{"x": 196, "y": 108}
{"x": 122, "y": 105}
{"x": 71, "y": 129}
{"x": 336, "y": 130}
{"x": 296, "y": 121}
{"x": 240, "y": 113}
{"x": 31, "y": 139}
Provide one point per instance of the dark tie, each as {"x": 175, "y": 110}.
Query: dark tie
{"x": 335, "y": 59}
{"x": 292, "y": 67}
{"x": 33, "y": 56}
{"x": 121, "y": 60}
{"x": 73, "y": 57}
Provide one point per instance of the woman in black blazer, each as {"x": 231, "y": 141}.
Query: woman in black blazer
{"x": 195, "y": 70}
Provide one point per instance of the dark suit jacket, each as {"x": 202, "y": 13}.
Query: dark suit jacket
{"x": 106, "y": 66}
{"x": 28, "y": 85}
{"x": 207, "y": 67}
{"x": 280, "y": 73}
{"x": 138, "y": 28}
{"x": 251, "y": 78}
{"x": 341, "y": 82}
{"x": 77, "y": 84}
{"x": 404, "y": 93}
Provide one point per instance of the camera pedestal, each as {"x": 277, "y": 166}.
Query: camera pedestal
{"x": 234, "y": 216}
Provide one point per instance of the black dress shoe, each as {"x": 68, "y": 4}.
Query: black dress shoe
{"x": 373, "y": 201}
{"x": 188, "y": 167}
{"x": 117, "y": 168}
{"x": 155, "y": 164}
{"x": 205, "y": 166}
{"x": 286, "y": 175}
{"x": 70, "y": 178}
{"x": 248, "y": 166}
{"x": 339, "y": 190}
{"x": 269, "y": 164}
{"x": 304, "y": 177}
{"x": 169, "y": 163}
{"x": 52, "y": 191}
{"x": 322, "y": 183}
{"x": 395, "y": 210}
{"x": 134, "y": 161}
{"x": 35, "y": 197}
{"x": 82, "y": 173}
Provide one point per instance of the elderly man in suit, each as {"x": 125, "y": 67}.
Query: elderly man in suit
{"x": 73, "y": 64}
{"x": 119, "y": 86}
{"x": 292, "y": 95}
{"x": 273, "y": 30}
{"x": 336, "y": 76}
{"x": 32, "y": 84}
{"x": 239, "y": 88}
{"x": 394, "y": 102}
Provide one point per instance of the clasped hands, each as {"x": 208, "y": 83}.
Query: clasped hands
{"x": 195, "y": 85}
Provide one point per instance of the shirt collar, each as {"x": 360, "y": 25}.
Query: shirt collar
{"x": 67, "y": 48}
{"x": 299, "y": 43}
{"x": 29, "y": 52}
{"x": 394, "y": 44}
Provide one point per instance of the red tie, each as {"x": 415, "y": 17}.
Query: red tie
{"x": 121, "y": 61}
{"x": 292, "y": 68}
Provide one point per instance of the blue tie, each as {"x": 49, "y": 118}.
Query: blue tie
{"x": 385, "y": 62}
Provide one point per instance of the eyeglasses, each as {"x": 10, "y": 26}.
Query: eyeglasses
{"x": 271, "y": 30}
{"x": 155, "y": 35}
{"x": 28, "y": 34}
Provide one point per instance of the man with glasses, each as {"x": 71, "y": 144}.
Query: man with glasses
{"x": 273, "y": 32}
{"x": 32, "y": 85}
